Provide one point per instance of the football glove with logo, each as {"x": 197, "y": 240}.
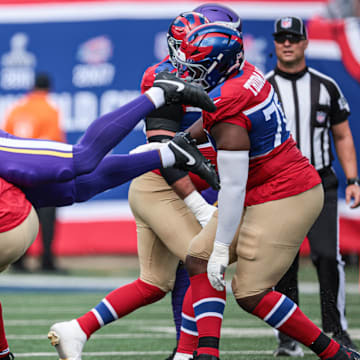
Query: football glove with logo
{"x": 177, "y": 91}
{"x": 189, "y": 158}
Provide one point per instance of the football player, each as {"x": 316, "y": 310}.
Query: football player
{"x": 152, "y": 199}
{"x": 162, "y": 125}
{"x": 270, "y": 196}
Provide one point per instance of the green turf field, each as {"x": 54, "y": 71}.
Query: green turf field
{"x": 148, "y": 333}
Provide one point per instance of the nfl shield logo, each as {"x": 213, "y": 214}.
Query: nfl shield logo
{"x": 320, "y": 117}
{"x": 286, "y": 23}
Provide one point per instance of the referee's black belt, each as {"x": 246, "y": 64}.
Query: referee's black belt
{"x": 326, "y": 171}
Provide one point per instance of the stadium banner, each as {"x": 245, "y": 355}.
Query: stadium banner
{"x": 96, "y": 53}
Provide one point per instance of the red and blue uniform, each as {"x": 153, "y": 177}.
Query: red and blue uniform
{"x": 277, "y": 168}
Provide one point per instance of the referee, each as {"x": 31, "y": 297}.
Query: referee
{"x": 315, "y": 107}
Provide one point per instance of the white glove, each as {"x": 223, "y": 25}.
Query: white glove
{"x": 147, "y": 147}
{"x": 218, "y": 262}
{"x": 201, "y": 209}
{"x": 206, "y": 213}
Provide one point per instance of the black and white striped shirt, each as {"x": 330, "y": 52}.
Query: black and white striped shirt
{"x": 312, "y": 103}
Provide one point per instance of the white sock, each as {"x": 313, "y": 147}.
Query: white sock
{"x": 167, "y": 157}
{"x": 157, "y": 96}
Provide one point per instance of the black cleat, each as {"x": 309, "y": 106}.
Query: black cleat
{"x": 345, "y": 353}
{"x": 204, "y": 357}
{"x": 353, "y": 355}
{"x": 189, "y": 158}
{"x": 343, "y": 338}
{"x": 177, "y": 91}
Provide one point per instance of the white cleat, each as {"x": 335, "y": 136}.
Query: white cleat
{"x": 289, "y": 348}
{"x": 68, "y": 339}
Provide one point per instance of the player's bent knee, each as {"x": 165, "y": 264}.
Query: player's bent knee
{"x": 150, "y": 293}
{"x": 249, "y": 303}
{"x": 195, "y": 266}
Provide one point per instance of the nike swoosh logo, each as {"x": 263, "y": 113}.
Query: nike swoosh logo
{"x": 191, "y": 160}
{"x": 180, "y": 86}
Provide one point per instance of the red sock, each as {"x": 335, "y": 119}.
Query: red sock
{"x": 119, "y": 303}
{"x": 283, "y": 314}
{"x": 330, "y": 350}
{"x": 188, "y": 340}
{"x": 4, "y": 346}
{"x": 209, "y": 305}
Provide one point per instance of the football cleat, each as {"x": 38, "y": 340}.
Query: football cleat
{"x": 345, "y": 353}
{"x": 289, "y": 348}
{"x": 68, "y": 339}
{"x": 204, "y": 357}
{"x": 343, "y": 338}
{"x": 189, "y": 158}
{"x": 177, "y": 91}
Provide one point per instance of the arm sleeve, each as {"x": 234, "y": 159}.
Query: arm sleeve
{"x": 165, "y": 118}
{"x": 233, "y": 171}
{"x": 172, "y": 174}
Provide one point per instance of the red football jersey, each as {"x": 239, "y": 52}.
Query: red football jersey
{"x": 14, "y": 207}
{"x": 277, "y": 168}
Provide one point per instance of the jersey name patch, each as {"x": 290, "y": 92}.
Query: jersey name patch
{"x": 255, "y": 83}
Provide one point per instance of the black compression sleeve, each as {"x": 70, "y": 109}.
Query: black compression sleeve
{"x": 172, "y": 174}
{"x": 165, "y": 118}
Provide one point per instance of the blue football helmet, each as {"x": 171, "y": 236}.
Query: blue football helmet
{"x": 220, "y": 14}
{"x": 209, "y": 54}
{"x": 180, "y": 27}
